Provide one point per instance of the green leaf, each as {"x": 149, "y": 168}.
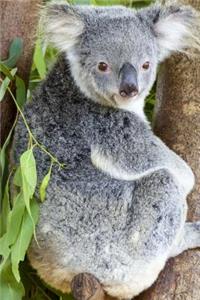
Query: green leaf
{"x": 5, "y": 210}
{"x": 44, "y": 184}
{"x": 20, "y": 247}
{"x": 39, "y": 60}
{"x": 17, "y": 179}
{"x": 3, "y": 162}
{"x": 5, "y": 84}
{"x": 13, "y": 226}
{"x": 6, "y": 71}
{"x": 15, "y": 218}
{"x": 3, "y": 88}
{"x": 15, "y": 52}
{"x": 10, "y": 289}
{"x": 29, "y": 176}
{"x": 4, "y": 250}
{"x": 20, "y": 92}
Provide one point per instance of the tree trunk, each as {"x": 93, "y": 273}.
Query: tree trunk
{"x": 177, "y": 122}
{"x": 19, "y": 18}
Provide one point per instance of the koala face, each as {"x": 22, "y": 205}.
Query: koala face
{"x": 114, "y": 52}
{"x": 111, "y": 62}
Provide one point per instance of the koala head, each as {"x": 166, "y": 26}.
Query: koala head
{"x": 114, "y": 52}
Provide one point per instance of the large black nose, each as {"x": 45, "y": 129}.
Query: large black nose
{"x": 128, "y": 81}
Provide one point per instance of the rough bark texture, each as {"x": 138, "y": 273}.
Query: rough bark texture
{"x": 18, "y": 18}
{"x": 177, "y": 122}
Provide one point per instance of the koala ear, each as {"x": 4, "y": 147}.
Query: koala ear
{"x": 62, "y": 25}
{"x": 175, "y": 28}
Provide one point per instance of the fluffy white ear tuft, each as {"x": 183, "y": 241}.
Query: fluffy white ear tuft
{"x": 176, "y": 29}
{"x": 62, "y": 25}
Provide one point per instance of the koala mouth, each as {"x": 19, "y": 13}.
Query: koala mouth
{"x": 119, "y": 99}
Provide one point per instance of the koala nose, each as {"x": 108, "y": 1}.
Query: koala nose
{"x": 128, "y": 90}
{"x": 128, "y": 84}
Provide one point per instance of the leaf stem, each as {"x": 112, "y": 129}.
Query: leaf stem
{"x": 53, "y": 158}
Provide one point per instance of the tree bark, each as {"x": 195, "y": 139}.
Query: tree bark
{"x": 177, "y": 122}
{"x": 18, "y": 18}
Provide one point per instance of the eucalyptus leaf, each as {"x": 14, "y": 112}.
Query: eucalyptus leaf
{"x": 4, "y": 251}
{"x": 5, "y": 210}
{"x": 5, "y": 83}
{"x": 29, "y": 176}
{"x": 20, "y": 92}
{"x": 6, "y": 71}
{"x": 39, "y": 60}
{"x": 15, "y": 52}
{"x": 10, "y": 289}
{"x": 13, "y": 226}
{"x": 17, "y": 179}
{"x": 18, "y": 250}
{"x": 44, "y": 184}
{"x": 4, "y": 163}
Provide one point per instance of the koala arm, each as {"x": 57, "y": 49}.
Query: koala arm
{"x": 133, "y": 163}
{"x": 177, "y": 166}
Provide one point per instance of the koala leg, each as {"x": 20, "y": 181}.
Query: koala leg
{"x": 190, "y": 238}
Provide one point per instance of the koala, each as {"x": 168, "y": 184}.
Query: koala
{"x": 118, "y": 208}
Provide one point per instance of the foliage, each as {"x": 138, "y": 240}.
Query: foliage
{"x": 130, "y": 3}
{"x": 19, "y": 209}
{"x": 18, "y": 217}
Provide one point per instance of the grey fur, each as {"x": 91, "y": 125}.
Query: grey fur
{"x": 118, "y": 209}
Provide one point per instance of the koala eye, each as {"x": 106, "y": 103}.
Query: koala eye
{"x": 103, "y": 67}
{"x": 146, "y": 65}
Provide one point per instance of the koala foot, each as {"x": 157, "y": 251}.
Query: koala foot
{"x": 190, "y": 238}
{"x": 85, "y": 286}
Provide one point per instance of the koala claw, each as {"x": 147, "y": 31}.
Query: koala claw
{"x": 85, "y": 286}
